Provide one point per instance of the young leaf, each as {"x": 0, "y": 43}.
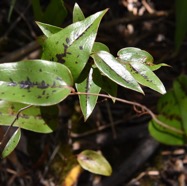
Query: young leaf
{"x": 145, "y": 76}
{"x": 132, "y": 54}
{"x": 47, "y": 29}
{"x": 12, "y": 143}
{"x": 36, "y": 82}
{"x": 94, "y": 162}
{"x": 72, "y": 46}
{"x": 115, "y": 71}
{"x": 77, "y": 14}
{"x": 88, "y": 102}
{"x": 43, "y": 120}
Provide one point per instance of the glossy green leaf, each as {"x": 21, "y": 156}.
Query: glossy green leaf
{"x": 47, "y": 29}
{"x": 145, "y": 76}
{"x": 88, "y": 102}
{"x": 72, "y": 46}
{"x": 36, "y": 82}
{"x": 172, "y": 109}
{"x": 77, "y": 14}
{"x": 115, "y": 71}
{"x": 99, "y": 46}
{"x": 37, "y": 119}
{"x": 132, "y": 54}
{"x": 12, "y": 143}
{"x": 94, "y": 162}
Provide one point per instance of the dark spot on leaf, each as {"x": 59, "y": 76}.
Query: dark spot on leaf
{"x": 39, "y": 97}
{"x": 54, "y": 84}
{"x": 23, "y": 95}
{"x": 81, "y": 47}
{"x": 60, "y": 57}
{"x": 76, "y": 62}
{"x": 2, "y": 93}
{"x": 42, "y": 85}
{"x": 12, "y": 83}
{"x": 78, "y": 56}
{"x": 53, "y": 90}
{"x": 47, "y": 97}
{"x": 59, "y": 78}
{"x": 43, "y": 93}
{"x": 67, "y": 40}
{"x": 24, "y": 116}
{"x": 57, "y": 42}
{"x": 40, "y": 70}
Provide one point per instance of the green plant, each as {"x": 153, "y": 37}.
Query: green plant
{"x": 71, "y": 59}
{"x": 172, "y": 109}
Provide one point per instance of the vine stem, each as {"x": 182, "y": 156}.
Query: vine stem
{"x": 143, "y": 107}
{"x": 11, "y": 125}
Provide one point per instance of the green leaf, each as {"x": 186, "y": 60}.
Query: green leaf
{"x": 12, "y": 5}
{"x": 47, "y": 29}
{"x": 115, "y": 71}
{"x": 169, "y": 108}
{"x": 55, "y": 13}
{"x": 145, "y": 76}
{"x": 77, "y": 14}
{"x": 43, "y": 120}
{"x": 164, "y": 135}
{"x": 181, "y": 22}
{"x": 99, "y": 46}
{"x": 94, "y": 162}
{"x": 180, "y": 90}
{"x": 72, "y": 46}
{"x": 36, "y": 82}
{"x": 132, "y": 54}
{"x": 88, "y": 102}
{"x": 12, "y": 143}
{"x": 107, "y": 85}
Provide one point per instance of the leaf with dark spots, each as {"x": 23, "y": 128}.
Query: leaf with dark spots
{"x": 33, "y": 119}
{"x": 81, "y": 33}
{"x": 87, "y": 85}
{"x": 115, "y": 71}
{"x": 144, "y": 76}
{"x": 54, "y": 76}
{"x": 172, "y": 111}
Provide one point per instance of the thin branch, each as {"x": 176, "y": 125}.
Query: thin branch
{"x": 15, "y": 119}
{"x": 143, "y": 107}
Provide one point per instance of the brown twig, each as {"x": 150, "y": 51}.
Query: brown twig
{"x": 10, "y": 126}
{"x": 143, "y": 107}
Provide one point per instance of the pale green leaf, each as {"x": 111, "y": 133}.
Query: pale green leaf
{"x": 37, "y": 119}
{"x": 115, "y": 71}
{"x": 94, "y": 162}
{"x": 99, "y": 46}
{"x": 12, "y": 143}
{"x": 36, "y": 82}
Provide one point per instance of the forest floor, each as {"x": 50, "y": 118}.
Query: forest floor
{"x": 116, "y": 130}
